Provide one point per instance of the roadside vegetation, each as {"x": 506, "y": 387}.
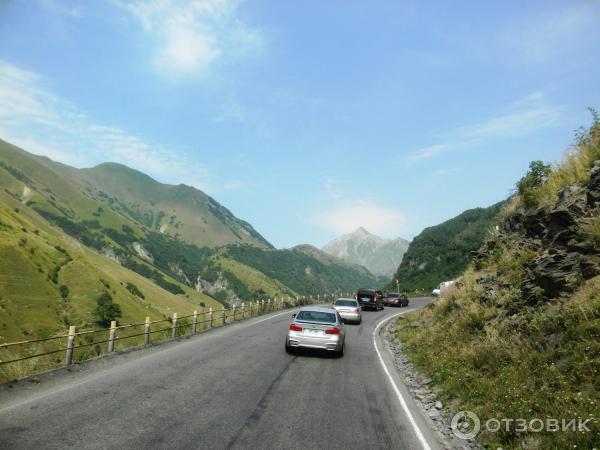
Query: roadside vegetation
{"x": 519, "y": 336}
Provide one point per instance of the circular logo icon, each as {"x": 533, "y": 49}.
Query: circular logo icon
{"x": 465, "y": 425}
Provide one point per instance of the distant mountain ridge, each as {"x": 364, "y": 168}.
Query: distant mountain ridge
{"x": 381, "y": 256}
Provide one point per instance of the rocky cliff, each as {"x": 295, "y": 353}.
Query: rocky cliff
{"x": 555, "y": 241}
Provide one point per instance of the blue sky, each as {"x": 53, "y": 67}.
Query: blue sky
{"x": 308, "y": 119}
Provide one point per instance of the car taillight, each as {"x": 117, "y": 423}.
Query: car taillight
{"x": 334, "y": 330}
{"x": 356, "y": 309}
{"x": 294, "y": 327}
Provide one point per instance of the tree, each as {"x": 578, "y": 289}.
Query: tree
{"x": 106, "y": 310}
{"x": 535, "y": 177}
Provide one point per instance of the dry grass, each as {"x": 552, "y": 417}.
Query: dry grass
{"x": 574, "y": 168}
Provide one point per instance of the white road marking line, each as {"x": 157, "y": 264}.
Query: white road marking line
{"x": 393, "y": 383}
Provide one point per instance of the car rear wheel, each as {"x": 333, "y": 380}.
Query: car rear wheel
{"x": 340, "y": 353}
{"x": 288, "y": 349}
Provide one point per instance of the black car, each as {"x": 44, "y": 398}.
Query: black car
{"x": 395, "y": 299}
{"x": 369, "y": 299}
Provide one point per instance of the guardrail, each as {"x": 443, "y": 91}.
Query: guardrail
{"x": 136, "y": 334}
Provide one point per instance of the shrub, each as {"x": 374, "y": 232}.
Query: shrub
{"x": 64, "y": 291}
{"x": 134, "y": 290}
{"x": 528, "y": 186}
{"x": 106, "y": 310}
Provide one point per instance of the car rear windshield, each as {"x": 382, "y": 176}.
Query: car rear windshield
{"x": 316, "y": 316}
{"x": 346, "y": 303}
{"x": 393, "y": 295}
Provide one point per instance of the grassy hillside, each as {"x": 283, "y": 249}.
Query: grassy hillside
{"x": 49, "y": 280}
{"x": 443, "y": 252}
{"x": 519, "y": 337}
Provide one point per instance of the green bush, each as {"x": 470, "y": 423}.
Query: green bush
{"x": 528, "y": 186}
{"x": 64, "y": 291}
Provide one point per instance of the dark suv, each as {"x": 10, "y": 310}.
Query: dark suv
{"x": 369, "y": 299}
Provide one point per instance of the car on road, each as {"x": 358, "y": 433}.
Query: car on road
{"x": 316, "y": 328}
{"x": 369, "y": 299}
{"x": 395, "y": 299}
{"x": 348, "y": 309}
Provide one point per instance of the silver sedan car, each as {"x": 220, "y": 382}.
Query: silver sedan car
{"x": 348, "y": 309}
{"x": 318, "y": 328}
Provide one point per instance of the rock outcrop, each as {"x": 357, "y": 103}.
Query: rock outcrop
{"x": 563, "y": 255}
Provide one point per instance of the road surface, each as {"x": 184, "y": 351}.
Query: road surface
{"x": 233, "y": 387}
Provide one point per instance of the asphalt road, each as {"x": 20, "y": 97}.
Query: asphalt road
{"x": 233, "y": 387}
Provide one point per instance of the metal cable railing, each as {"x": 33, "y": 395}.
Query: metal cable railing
{"x": 197, "y": 322}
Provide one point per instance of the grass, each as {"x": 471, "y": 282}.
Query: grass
{"x": 541, "y": 363}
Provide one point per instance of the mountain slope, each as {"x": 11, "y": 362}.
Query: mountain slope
{"x": 442, "y": 252}
{"x": 181, "y": 211}
{"x": 380, "y": 256}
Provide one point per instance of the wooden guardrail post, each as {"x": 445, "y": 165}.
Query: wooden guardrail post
{"x": 194, "y": 322}
{"x": 111, "y": 336}
{"x": 210, "y": 317}
{"x": 256, "y": 308}
{"x": 223, "y": 316}
{"x": 70, "y": 343}
{"x": 243, "y": 310}
{"x": 147, "y": 331}
{"x": 174, "y": 329}
{"x": 262, "y": 306}
{"x": 233, "y": 308}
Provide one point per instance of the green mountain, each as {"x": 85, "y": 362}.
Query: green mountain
{"x": 443, "y": 252}
{"x": 69, "y": 235}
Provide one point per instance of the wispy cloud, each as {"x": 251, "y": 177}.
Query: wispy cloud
{"x": 551, "y": 33}
{"x": 443, "y": 172}
{"x": 347, "y": 217}
{"x": 525, "y": 116}
{"x": 427, "y": 152}
{"x": 36, "y": 119}
{"x": 188, "y": 36}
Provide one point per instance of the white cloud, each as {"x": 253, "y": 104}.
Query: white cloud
{"x": 34, "y": 118}
{"x": 427, "y": 152}
{"x": 188, "y": 36}
{"x": 528, "y": 115}
{"x": 525, "y": 116}
{"x": 346, "y": 218}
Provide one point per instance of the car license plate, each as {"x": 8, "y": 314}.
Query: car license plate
{"x": 311, "y": 331}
